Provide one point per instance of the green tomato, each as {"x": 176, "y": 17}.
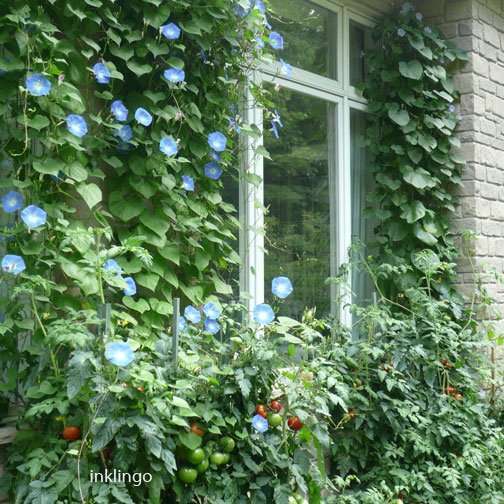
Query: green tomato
{"x": 187, "y": 475}
{"x": 218, "y": 458}
{"x": 196, "y": 456}
{"x": 227, "y": 444}
{"x": 203, "y": 466}
{"x": 227, "y": 457}
{"x": 275, "y": 419}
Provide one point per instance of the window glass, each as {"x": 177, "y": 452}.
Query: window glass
{"x": 310, "y": 35}
{"x": 362, "y": 225}
{"x": 360, "y": 42}
{"x": 296, "y": 196}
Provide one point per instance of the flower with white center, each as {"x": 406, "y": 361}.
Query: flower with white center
{"x": 213, "y": 170}
{"x": 211, "y": 310}
{"x": 102, "y": 73}
{"x": 187, "y": 183}
{"x": 119, "y": 353}
{"x": 217, "y": 141}
{"x": 276, "y": 40}
{"x": 12, "y": 201}
{"x": 174, "y": 75}
{"x": 171, "y": 31}
{"x": 281, "y": 287}
{"x": 38, "y": 85}
{"x": 112, "y": 266}
{"x": 192, "y": 314}
{"x": 143, "y": 116}
{"x": 119, "y": 110}
{"x": 260, "y": 424}
{"x": 131, "y": 288}
{"x": 33, "y": 216}
{"x": 125, "y": 133}
{"x": 13, "y": 264}
{"x": 211, "y": 326}
{"x": 264, "y": 314}
{"x": 168, "y": 146}
{"x": 76, "y": 125}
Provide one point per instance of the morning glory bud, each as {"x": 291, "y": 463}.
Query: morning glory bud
{"x": 174, "y": 75}
{"x": 119, "y": 353}
{"x": 285, "y": 68}
{"x": 33, "y": 216}
{"x": 76, "y": 125}
{"x": 260, "y": 424}
{"x": 211, "y": 326}
{"x": 187, "y": 183}
{"x": 12, "y": 201}
{"x": 276, "y": 40}
{"x": 182, "y": 324}
{"x": 119, "y": 110}
{"x": 211, "y": 310}
{"x": 143, "y": 117}
{"x": 125, "y": 133}
{"x": 38, "y": 85}
{"x": 264, "y": 314}
{"x": 102, "y": 73}
{"x": 401, "y": 32}
{"x": 170, "y": 31}
{"x": 131, "y": 288}
{"x": 192, "y": 314}
{"x": 13, "y": 264}
{"x": 168, "y": 146}
{"x": 217, "y": 141}
{"x": 281, "y": 287}
{"x": 213, "y": 170}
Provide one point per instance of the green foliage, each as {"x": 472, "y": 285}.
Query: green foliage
{"x": 411, "y": 137}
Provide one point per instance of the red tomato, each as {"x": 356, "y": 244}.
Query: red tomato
{"x": 261, "y": 410}
{"x": 275, "y": 406}
{"x": 197, "y": 429}
{"x": 295, "y": 423}
{"x": 71, "y": 433}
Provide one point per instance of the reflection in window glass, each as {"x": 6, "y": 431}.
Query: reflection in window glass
{"x": 296, "y": 195}
{"x": 360, "y": 42}
{"x": 310, "y": 35}
{"x": 362, "y": 185}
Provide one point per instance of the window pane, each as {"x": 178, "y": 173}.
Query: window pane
{"x": 310, "y": 35}
{"x": 362, "y": 185}
{"x": 296, "y": 195}
{"x": 360, "y": 42}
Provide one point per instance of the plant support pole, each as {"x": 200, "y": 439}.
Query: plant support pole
{"x": 175, "y": 329}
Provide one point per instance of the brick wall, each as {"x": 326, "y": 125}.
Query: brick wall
{"x": 478, "y": 27}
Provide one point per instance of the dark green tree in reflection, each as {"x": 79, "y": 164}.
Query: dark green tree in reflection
{"x": 296, "y": 195}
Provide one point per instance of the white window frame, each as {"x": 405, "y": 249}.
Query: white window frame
{"x": 251, "y": 202}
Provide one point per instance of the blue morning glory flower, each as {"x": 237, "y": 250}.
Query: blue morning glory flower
{"x": 131, "y": 288}
{"x": 170, "y": 31}
{"x": 38, "y": 85}
{"x": 143, "y": 116}
{"x": 212, "y": 326}
{"x": 213, "y": 170}
{"x": 211, "y": 310}
{"x": 451, "y": 108}
{"x": 281, "y": 287}
{"x": 419, "y": 16}
{"x": 259, "y": 4}
{"x": 12, "y": 201}
{"x": 285, "y": 68}
{"x": 13, "y": 264}
{"x": 215, "y": 156}
{"x": 233, "y": 124}
{"x": 264, "y": 314}
{"x": 182, "y": 324}
{"x": 119, "y": 353}
{"x": 174, "y": 75}
{"x": 125, "y": 133}
{"x": 260, "y": 424}
{"x": 76, "y": 125}
{"x": 192, "y": 314}
{"x": 243, "y": 11}
{"x": 259, "y": 42}
{"x": 102, "y": 73}
{"x": 187, "y": 183}
{"x": 276, "y": 40}
{"x": 112, "y": 266}
{"x": 217, "y": 141}
{"x": 168, "y": 146}
{"x": 33, "y": 216}
{"x": 276, "y": 122}
{"x": 119, "y": 110}
{"x": 401, "y": 32}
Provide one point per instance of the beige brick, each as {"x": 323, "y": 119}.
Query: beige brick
{"x": 491, "y": 35}
{"x": 497, "y": 210}
{"x": 495, "y": 176}
{"x": 497, "y": 73}
{"x": 458, "y": 10}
